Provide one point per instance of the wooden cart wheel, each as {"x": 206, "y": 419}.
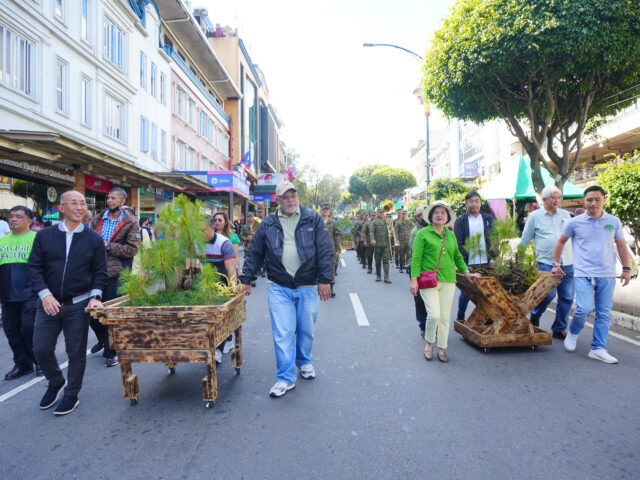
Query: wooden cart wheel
{"x": 133, "y": 401}
{"x": 485, "y": 349}
{"x": 172, "y": 370}
{"x": 533, "y": 347}
{"x": 210, "y": 404}
{"x": 237, "y": 370}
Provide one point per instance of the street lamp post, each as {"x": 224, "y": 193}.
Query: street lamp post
{"x": 427, "y": 111}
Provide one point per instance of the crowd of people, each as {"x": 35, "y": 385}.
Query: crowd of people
{"x": 50, "y": 277}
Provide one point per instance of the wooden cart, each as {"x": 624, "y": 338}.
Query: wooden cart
{"x": 171, "y": 335}
{"x": 501, "y": 319}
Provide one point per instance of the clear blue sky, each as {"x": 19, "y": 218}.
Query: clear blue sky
{"x": 343, "y": 105}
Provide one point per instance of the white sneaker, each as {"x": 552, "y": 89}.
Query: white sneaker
{"x": 280, "y": 388}
{"x": 228, "y": 346}
{"x": 308, "y": 372}
{"x": 602, "y": 355}
{"x": 218, "y": 355}
{"x": 570, "y": 342}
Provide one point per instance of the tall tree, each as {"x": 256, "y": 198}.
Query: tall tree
{"x": 358, "y": 182}
{"x": 546, "y": 67}
{"x": 387, "y": 183}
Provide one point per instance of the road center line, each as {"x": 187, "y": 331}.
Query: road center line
{"x": 30, "y": 383}
{"x": 361, "y": 317}
{"x": 613, "y": 334}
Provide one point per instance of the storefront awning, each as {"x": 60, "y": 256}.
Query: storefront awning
{"x": 518, "y": 184}
{"x": 52, "y": 157}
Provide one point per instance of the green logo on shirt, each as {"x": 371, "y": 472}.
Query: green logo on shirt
{"x": 609, "y": 229}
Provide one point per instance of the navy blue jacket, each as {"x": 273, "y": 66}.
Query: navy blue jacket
{"x": 313, "y": 244}
{"x": 461, "y": 229}
{"x": 85, "y": 268}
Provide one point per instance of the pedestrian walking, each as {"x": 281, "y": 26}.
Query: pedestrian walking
{"x": 379, "y": 239}
{"x": 120, "y": 231}
{"x": 593, "y": 235}
{"x": 224, "y": 227}
{"x": 68, "y": 270}
{"x": 335, "y": 237}
{"x": 355, "y": 233}
{"x": 16, "y": 292}
{"x": 220, "y": 253}
{"x": 473, "y": 223}
{"x": 294, "y": 244}
{"x": 247, "y": 232}
{"x": 367, "y": 261}
{"x": 421, "y": 309}
{"x": 4, "y": 228}
{"x": 435, "y": 249}
{"x": 543, "y": 227}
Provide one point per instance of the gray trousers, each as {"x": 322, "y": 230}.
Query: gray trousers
{"x": 74, "y": 322}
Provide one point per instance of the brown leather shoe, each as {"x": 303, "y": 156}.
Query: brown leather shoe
{"x": 428, "y": 351}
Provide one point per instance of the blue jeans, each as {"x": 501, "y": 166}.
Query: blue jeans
{"x": 565, "y": 291}
{"x": 589, "y": 289}
{"x": 293, "y": 318}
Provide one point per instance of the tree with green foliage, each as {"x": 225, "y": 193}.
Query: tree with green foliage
{"x": 36, "y": 192}
{"x": 443, "y": 187}
{"x": 621, "y": 181}
{"x": 546, "y": 67}
{"x": 387, "y": 183}
{"x": 359, "y": 180}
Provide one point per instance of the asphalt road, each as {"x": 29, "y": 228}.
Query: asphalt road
{"x": 377, "y": 409}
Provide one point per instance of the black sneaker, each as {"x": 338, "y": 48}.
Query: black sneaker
{"x": 111, "y": 362}
{"x": 559, "y": 334}
{"x": 67, "y": 405}
{"x": 97, "y": 347}
{"x": 51, "y": 396}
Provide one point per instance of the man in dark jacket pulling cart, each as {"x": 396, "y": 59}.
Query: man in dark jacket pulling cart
{"x": 68, "y": 270}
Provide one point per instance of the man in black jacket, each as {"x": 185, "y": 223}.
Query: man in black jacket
{"x": 68, "y": 269}
{"x": 294, "y": 244}
{"x": 472, "y": 224}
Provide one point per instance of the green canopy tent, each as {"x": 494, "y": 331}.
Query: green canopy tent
{"x": 518, "y": 185}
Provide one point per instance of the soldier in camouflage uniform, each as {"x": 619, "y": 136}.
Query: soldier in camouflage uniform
{"x": 367, "y": 261}
{"x": 403, "y": 228}
{"x": 379, "y": 238}
{"x": 334, "y": 234}
{"x": 355, "y": 233}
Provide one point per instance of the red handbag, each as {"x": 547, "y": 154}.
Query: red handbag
{"x": 429, "y": 279}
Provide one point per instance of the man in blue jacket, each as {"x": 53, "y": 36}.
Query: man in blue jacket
{"x": 68, "y": 268}
{"x": 294, "y": 245}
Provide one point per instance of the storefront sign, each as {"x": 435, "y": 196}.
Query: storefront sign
{"x": 471, "y": 169}
{"x": 159, "y": 193}
{"x": 222, "y": 181}
{"x": 97, "y": 184}
{"x": 5, "y": 183}
{"x": 262, "y": 197}
{"x": 38, "y": 171}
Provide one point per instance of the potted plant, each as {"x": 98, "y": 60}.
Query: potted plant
{"x": 505, "y": 293}
{"x": 174, "y": 310}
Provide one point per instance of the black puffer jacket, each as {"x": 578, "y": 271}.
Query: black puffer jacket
{"x": 313, "y": 245}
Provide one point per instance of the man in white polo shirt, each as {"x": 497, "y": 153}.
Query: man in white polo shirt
{"x": 593, "y": 234}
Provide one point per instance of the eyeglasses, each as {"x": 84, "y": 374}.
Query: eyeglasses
{"x": 218, "y": 220}
{"x": 289, "y": 197}
{"x": 75, "y": 204}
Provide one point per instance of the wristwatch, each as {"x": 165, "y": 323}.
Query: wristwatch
{"x": 626, "y": 269}
{"x": 556, "y": 264}
{"x": 96, "y": 297}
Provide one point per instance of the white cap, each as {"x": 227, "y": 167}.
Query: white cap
{"x": 283, "y": 187}
{"x": 420, "y": 210}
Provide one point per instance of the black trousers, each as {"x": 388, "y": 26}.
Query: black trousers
{"x": 17, "y": 322}
{"x": 368, "y": 256}
{"x": 102, "y": 331}
{"x": 74, "y": 322}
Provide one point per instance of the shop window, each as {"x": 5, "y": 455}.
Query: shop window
{"x": 154, "y": 141}
{"x": 113, "y": 43}
{"x": 163, "y": 89}
{"x": 84, "y": 22}
{"x": 16, "y": 60}
{"x": 144, "y": 134}
{"x": 153, "y": 81}
{"x": 58, "y": 9}
{"x": 181, "y": 104}
{"x": 163, "y": 146}
{"x": 85, "y": 101}
{"x": 181, "y": 154}
{"x": 114, "y": 118}
{"x": 143, "y": 71}
{"x": 62, "y": 87}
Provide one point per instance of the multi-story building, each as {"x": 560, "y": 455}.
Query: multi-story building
{"x": 81, "y": 95}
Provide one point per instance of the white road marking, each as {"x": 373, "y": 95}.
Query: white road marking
{"x": 31, "y": 383}
{"x": 343, "y": 263}
{"x": 613, "y": 334}
{"x": 361, "y": 317}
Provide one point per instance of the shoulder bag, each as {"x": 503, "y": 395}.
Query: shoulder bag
{"x": 429, "y": 279}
